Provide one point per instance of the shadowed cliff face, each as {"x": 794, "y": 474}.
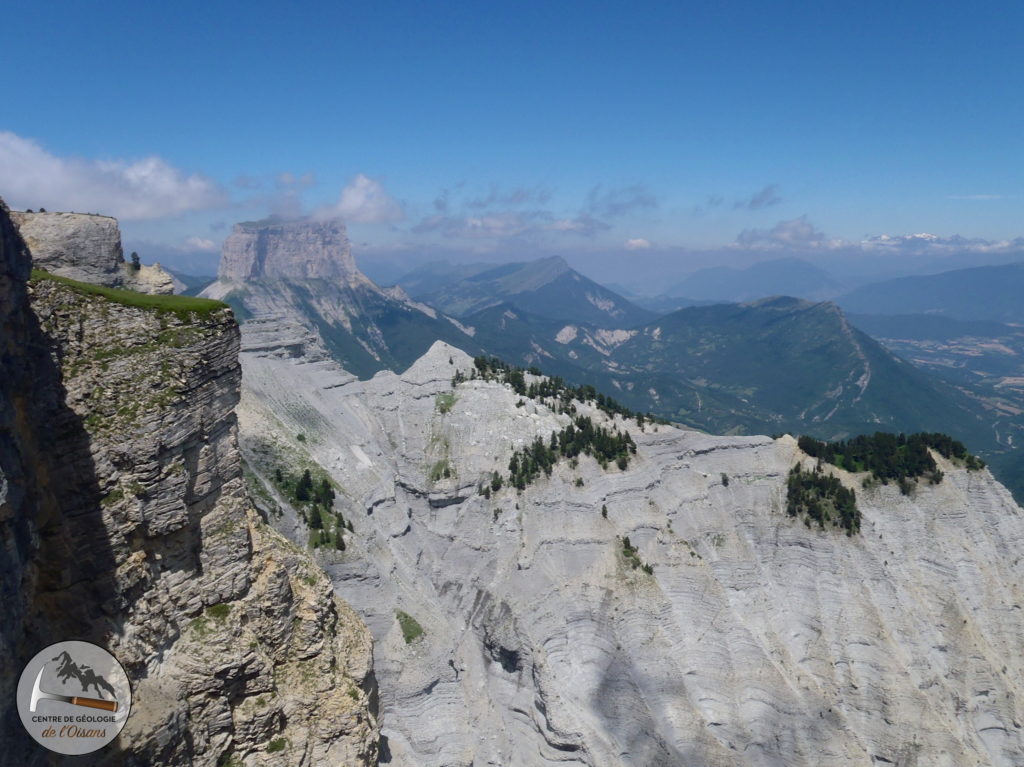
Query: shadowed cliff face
{"x": 55, "y": 572}
{"x": 124, "y": 520}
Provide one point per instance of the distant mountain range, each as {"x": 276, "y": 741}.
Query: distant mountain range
{"x": 547, "y": 287}
{"x": 774, "y": 365}
{"x": 768, "y": 366}
{"x": 435, "y": 275}
{"x": 980, "y": 293}
{"x": 781, "y": 277}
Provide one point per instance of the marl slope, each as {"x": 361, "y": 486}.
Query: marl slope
{"x": 754, "y": 640}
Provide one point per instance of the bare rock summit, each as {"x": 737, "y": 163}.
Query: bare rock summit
{"x": 304, "y": 249}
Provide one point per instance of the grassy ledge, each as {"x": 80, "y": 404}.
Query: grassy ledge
{"x": 180, "y": 305}
{"x": 411, "y": 629}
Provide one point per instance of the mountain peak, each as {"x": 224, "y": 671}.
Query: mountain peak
{"x": 550, "y": 267}
{"x": 288, "y": 249}
{"x": 439, "y": 363}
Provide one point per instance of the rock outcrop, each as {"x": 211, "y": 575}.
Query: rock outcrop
{"x": 82, "y": 246}
{"x": 753, "y": 640}
{"x": 147, "y": 278}
{"x": 87, "y": 247}
{"x": 125, "y": 521}
{"x": 300, "y": 250}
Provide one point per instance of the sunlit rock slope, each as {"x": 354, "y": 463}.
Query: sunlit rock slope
{"x": 754, "y": 640}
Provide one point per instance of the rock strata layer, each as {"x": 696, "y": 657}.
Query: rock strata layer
{"x": 753, "y": 640}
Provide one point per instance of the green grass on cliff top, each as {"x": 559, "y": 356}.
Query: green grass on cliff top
{"x": 180, "y": 305}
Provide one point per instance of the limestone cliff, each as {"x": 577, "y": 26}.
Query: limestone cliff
{"x": 87, "y": 247}
{"x": 125, "y": 521}
{"x": 529, "y": 638}
{"x": 304, "y": 249}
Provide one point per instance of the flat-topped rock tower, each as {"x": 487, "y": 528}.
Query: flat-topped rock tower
{"x": 272, "y": 249}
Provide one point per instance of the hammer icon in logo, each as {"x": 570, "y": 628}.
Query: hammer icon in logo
{"x": 39, "y": 694}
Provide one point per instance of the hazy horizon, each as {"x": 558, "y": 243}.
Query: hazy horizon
{"x": 632, "y": 141}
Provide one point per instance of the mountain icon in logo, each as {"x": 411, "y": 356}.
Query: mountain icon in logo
{"x": 84, "y": 674}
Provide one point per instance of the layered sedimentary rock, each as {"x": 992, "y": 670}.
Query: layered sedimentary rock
{"x": 125, "y": 521}
{"x": 87, "y": 247}
{"x": 754, "y": 640}
{"x": 305, "y": 249}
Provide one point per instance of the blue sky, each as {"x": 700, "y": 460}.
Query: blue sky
{"x": 486, "y": 130}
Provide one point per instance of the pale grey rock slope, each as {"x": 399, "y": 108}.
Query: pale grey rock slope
{"x": 87, "y": 247}
{"x": 756, "y": 640}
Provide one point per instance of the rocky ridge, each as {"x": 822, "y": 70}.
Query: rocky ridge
{"x": 126, "y": 521}
{"x": 754, "y": 640}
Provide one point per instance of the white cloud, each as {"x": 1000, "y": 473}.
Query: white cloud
{"x": 131, "y": 190}
{"x": 637, "y": 243}
{"x": 497, "y": 197}
{"x": 795, "y": 233}
{"x": 202, "y": 243}
{"x": 364, "y": 201}
{"x": 497, "y": 225}
{"x": 925, "y": 244}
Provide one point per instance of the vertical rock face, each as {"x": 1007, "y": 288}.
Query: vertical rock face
{"x": 125, "y": 521}
{"x": 19, "y": 370}
{"x": 87, "y": 248}
{"x": 81, "y": 246}
{"x": 288, "y": 250}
